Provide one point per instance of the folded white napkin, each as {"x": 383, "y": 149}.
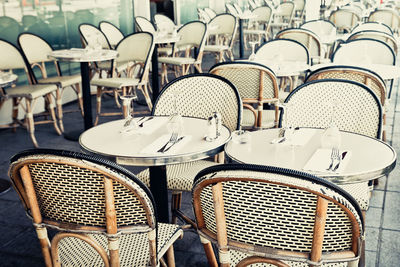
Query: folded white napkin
{"x": 321, "y": 159}
{"x": 148, "y": 126}
{"x": 153, "y": 147}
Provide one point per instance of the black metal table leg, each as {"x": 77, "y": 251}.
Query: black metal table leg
{"x": 158, "y": 187}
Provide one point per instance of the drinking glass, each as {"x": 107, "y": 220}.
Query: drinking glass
{"x": 129, "y": 123}
{"x": 252, "y": 57}
{"x": 331, "y": 137}
{"x": 288, "y": 129}
{"x": 175, "y": 124}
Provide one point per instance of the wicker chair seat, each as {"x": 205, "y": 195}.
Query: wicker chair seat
{"x": 268, "y": 119}
{"x": 62, "y": 81}
{"x": 31, "y": 91}
{"x": 70, "y": 247}
{"x": 106, "y": 65}
{"x": 177, "y": 60}
{"x": 116, "y": 82}
{"x": 215, "y": 48}
{"x": 179, "y": 176}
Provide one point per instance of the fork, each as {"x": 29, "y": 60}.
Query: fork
{"x": 334, "y": 156}
{"x": 172, "y": 139}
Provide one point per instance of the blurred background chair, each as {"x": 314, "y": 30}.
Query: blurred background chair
{"x": 257, "y": 85}
{"x": 198, "y": 96}
{"x": 25, "y": 97}
{"x": 9, "y": 29}
{"x": 259, "y": 28}
{"x": 344, "y": 19}
{"x": 314, "y": 221}
{"x": 113, "y": 34}
{"x": 102, "y": 213}
{"x": 372, "y": 26}
{"x": 386, "y": 16}
{"x": 36, "y": 51}
{"x": 283, "y": 17}
{"x": 376, "y": 35}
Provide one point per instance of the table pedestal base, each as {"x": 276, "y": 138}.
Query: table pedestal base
{"x": 158, "y": 187}
{"x": 73, "y": 135}
{"x": 4, "y": 186}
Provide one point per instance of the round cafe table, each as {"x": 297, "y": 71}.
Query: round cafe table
{"x": 83, "y": 56}
{"x": 6, "y": 79}
{"x": 140, "y": 149}
{"x": 370, "y": 158}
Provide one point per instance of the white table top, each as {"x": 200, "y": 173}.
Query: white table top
{"x": 83, "y": 55}
{"x": 284, "y": 68}
{"x": 370, "y": 158}
{"x": 7, "y": 79}
{"x": 166, "y": 38}
{"x": 106, "y": 139}
{"x": 387, "y": 72}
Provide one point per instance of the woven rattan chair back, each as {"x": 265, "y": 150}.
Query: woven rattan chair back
{"x": 263, "y": 18}
{"x": 368, "y": 51}
{"x": 357, "y": 110}
{"x": 12, "y": 59}
{"x": 79, "y": 193}
{"x": 144, "y": 45}
{"x": 305, "y": 37}
{"x": 344, "y": 19}
{"x": 286, "y": 11}
{"x": 144, "y": 25}
{"x": 90, "y": 34}
{"x": 376, "y": 35}
{"x": 231, "y": 9}
{"x": 164, "y": 23}
{"x": 357, "y": 74}
{"x": 388, "y": 16}
{"x": 372, "y": 26}
{"x": 192, "y": 35}
{"x": 199, "y": 95}
{"x": 276, "y": 214}
{"x": 273, "y": 50}
{"x": 112, "y": 32}
{"x": 35, "y": 48}
{"x": 320, "y": 27}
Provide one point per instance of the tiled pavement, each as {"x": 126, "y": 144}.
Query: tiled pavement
{"x": 19, "y": 245}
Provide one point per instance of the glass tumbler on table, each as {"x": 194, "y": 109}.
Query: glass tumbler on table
{"x": 127, "y": 102}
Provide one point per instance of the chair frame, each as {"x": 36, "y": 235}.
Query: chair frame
{"x": 211, "y": 177}
{"x": 108, "y": 36}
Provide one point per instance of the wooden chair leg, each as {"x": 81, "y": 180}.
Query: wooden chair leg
{"x": 59, "y": 109}
{"x": 170, "y": 256}
{"x": 80, "y": 99}
{"x": 98, "y": 105}
{"x": 208, "y": 249}
{"x": 30, "y": 123}
{"x": 147, "y": 97}
{"x": 53, "y": 113}
{"x": 176, "y": 203}
{"x": 15, "y": 105}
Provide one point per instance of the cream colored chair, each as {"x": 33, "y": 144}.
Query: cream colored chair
{"x": 377, "y": 35}
{"x": 137, "y": 73}
{"x": 388, "y": 16}
{"x": 36, "y": 51}
{"x": 283, "y": 16}
{"x": 113, "y": 34}
{"x": 372, "y": 26}
{"x": 192, "y": 40}
{"x": 25, "y": 97}
{"x": 344, "y": 19}
{"x": 260, "y": 26}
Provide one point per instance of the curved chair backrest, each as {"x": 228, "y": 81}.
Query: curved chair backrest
{"x": 144, "y": 25}
{"x": 35, "y": 48}
{"x": 199, "y": 95}
{"x": 224, "y": 24}
{"x": 387, "y": 16}
{"x": 233, "y": 204}
{"x": 203, "y": 16}
{"x": 263, "y": 15}
{"x": 91, "y": 34}
{"x": 305, "y": 37}
{"x": 352, "y": 73}
{"x": 299, "y": 7}
{"x": 364, "y": 51}
{"x": 28, "y": 20}
{"x": 211, "y": 13}
{"x": 255, "y": 82}
{"x": 357, "y": 110}
{"x": 273, "y": 50}
{"x": 112, "y": 33}
{"x": 144, "y": 45}
{"x": 164, "y": 22}
{"x": 238, "y": 8}
{"x": 9, "y": 29}
{"x": 344, "y": 19}
{"x": 376, "y": 35}
{"x": 286, "y": 11}
{"x": 372, "y": 26}
{"x": 192, "y": 34}
{"x": 84, "y": 194}
{"x": 320, "y": 27}
{"x": 231, "y": 9}
{"x": 12, "y": 58}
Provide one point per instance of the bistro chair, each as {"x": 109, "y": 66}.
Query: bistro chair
{"x": 138, "y": 61}
{"x": 211, "y": 13}
{"x": 376, "y": 35}
{"x": 192, "y": 37}
{"x": 260, "y": 26}
{"x": 307, "y": 38}
{"x": 326, "y": 32}
{"x": 372, "y": 26}
{"x": 388, "y": 16}
{"x": 225, "y": 33}
{"x": 283, "y": 18}
{"x": 299, "y": 12}
{"x": 283, "y": 50}
{"x": 102, "y": 213}
{"x": 358, "y": 111}
{"x": 231, "y": 10}
{"x": 9, "y": 29}
{"x": 25, "y": 97}
{"x": 357, "y": 74}
{"x": 203, "y": 16}
{"x": 112, "y": 32}
{"x": 257, "y": 85}
{"x": 36, "y": 51}
{"x": 263, "y": 214}
{"x": 344, "y": 19}
{"x": 199, "y": 95}
{"x": 164, "y": 23}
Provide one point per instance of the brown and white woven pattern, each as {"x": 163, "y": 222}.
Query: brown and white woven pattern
{"x": 72, "y": 194}
{"x": 199, "y": 96}
{"x": 357, "y": 111}
{"x": 273, "y": 201}
{"x": 133, "y": 248}
{"x": 305, "y": 37}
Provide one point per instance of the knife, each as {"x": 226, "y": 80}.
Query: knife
{"x": 337, "y": 165}
{"x": 177, "y": 141}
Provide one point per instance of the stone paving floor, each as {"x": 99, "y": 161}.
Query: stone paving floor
{"x": 19, "y": 245}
